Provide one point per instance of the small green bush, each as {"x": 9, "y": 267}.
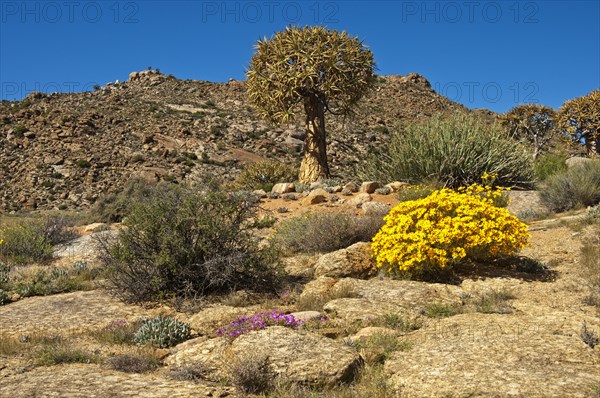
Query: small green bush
{"x": 82, "y": 163}
{"x": 162, "y": 332}
{"x": 548, "y": 165}
{"x": 456, "y": 150}
{"x": 325, "y": 232}
{"x": 53, "y": 280}
{"x": 414, "y": 192}
{"x": 133, "y": 363}
{"x": 579, "y": 186}
{"x": 181, "y": 244}
{"x": 55, "y": 350}
{"x": 25, "y": 243}
{"x": 263, "y": 175}
{"x": 117, "y": 332}
{"x": 252, "y": 373}
{"x": 117, "y": 205}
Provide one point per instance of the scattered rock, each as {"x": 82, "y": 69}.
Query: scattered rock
{"x": 508, "y": 359}
{"x": 378, "y": 297}
{"x": 396, "y": 186}
{"x": 375, "y": 209}
{"x": 283, "y": 187}
{"x": 300, "y": 266}
{"x": 370, "y": 186}
{"x": 315, "y": 196}
{"x": 350, "y": 187}
{"x": 96, "y": 227}
{"x": 370, "y": 331}
{"x": 306, "y": 316}
{"x": 260, "y": 193}
{"x": 299, "y": 357}
{"x": 576, "y": 161}
{"x": 354, "y": 261}
{"x": 360, "y": 199}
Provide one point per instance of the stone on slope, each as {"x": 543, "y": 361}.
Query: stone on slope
{"x": 283, "y": 187}
{"x": 360, "y": 199}
{"x": 479, "y": 355}
{"x": 354, "y": 261}
{"x": 299, "y": 357}
{"x": 370, "y": 186}
{"x": 209, "y": 320}
{"x": 378, "y": 297}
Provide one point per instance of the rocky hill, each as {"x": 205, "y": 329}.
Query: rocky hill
{"x": 66, "y": 150}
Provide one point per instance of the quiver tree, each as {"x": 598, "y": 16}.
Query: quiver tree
{"x": 580, "y": 118}
{"x": 313, "y": 68}
{"x": 530, "y": 123}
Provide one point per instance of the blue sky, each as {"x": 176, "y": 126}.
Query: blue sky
{"x": 490, "y": 54}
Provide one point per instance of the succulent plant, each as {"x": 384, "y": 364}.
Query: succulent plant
{"x": 162, "y": 331}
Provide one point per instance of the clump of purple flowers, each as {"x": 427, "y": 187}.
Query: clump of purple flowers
{"x": 259, "y": 321}
{"x": 115, "y": 325}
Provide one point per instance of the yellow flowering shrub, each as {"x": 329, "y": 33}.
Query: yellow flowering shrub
{"x": 447, "y": 227}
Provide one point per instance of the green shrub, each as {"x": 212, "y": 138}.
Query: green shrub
{"x": 549, "y": 164}
{"x": 180, "y": 244}
{"x": 53, "y": 280}
{"x": 379, "y": 347}
{"x": 252, "y": 373}
{"x": 414, "y": 192}
{"x": 196, "y": 371}
{"x": 117, "y": 205}
{"x": 55, "y": 350}
{"x": 25, "y": 243}
{"x": 162, "y": 332}
{"x": 117, "y": 332}
{"x": 57, "y": 230}
{"x": 82, "y": 163}
{"x": 325, "y": 232}
{"x": 265, "y": 174}
{"x": 494, "y": 302}
{"x": 579, "y": 186}
{"x": 455, "y": 150}
{"x": 19, "y": 130}
{"x": 133, "y": 363}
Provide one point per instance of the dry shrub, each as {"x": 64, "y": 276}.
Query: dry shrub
{"x": 325, "y": 232}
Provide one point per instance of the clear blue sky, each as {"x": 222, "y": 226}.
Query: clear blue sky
{"x": 492, "y": 54}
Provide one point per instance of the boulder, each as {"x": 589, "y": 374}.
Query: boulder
{"x": 350, "y": 187}
{"x": 379, "y": 297}
{"x": 354, "y": 261}
{"x": 396, "y": 186}
{"x": 96, "y": 227}
{"x": 306, "y": 316}
{"x": 577, "y": 161}
{"x": 299, "y": 357}
{"x": 501, "y": 356}
{"x": 370, "y": 186}
{"x": 371, "y": 331}
{"x": 283, "y": 187}
{"x": 315, "y": 196}
{"x": 360, "y": 199}
{"x": 375, "y": 209}
{"x": 299, "y": 266}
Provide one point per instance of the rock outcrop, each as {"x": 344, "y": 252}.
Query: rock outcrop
{"x": 64, "y": 151}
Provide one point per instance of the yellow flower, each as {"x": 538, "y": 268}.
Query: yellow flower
{"x": 447, "y": 227}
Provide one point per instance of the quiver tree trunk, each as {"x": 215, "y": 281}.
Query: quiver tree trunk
{"x": 314, "y": 164}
